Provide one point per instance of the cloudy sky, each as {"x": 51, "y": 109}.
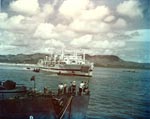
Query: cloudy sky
{"x": 110, "y": 27}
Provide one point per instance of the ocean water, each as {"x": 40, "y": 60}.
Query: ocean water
{"x": 115, "y": 93}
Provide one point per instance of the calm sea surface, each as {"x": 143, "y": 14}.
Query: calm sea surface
{"x": 115, "y": 93}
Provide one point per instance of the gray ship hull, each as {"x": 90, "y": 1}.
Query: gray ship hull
{"x": 43, "y": 107}
{"x": 78, "y": 108}
{"x": 34, "y": 108}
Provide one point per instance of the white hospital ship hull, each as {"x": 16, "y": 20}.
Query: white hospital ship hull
{"x": 71, "y": 70}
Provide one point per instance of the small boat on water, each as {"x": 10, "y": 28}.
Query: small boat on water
{"x": 132, "y": 71}
{"x": 43, "y": 105}
{"x": 36, "y": 70}
{"x": 9, "y": 89}
{"x": 72, "y": 64}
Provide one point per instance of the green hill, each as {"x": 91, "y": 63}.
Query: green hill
{"x": 98, "y": 60}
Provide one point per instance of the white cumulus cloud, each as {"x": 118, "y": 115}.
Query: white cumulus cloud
{"x": 13, "y": 22}
{"x": 89, "y": 27}
{"x": 72, "y": 8}
{"x": 46, "y": 11}
{"x": 109, "y": 18}
{"x": 120, "y": 23}
{"x": 65, "y": 31}
{"x": 54, "y": 43}
{"x": 97, "y": 13}
{"x": 45, "y": 31}
{"x": 81, "y": 41}
{"x": 28, "y": 7}
{"x": 3, "y": 16}
{"x": 105, "y": 44}
{"x": 130, "y": 8}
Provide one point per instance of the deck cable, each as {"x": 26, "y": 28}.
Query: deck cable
{"x": 64, "y": 110}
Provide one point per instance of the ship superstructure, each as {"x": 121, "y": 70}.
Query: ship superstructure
{"x": 73, "y": 64}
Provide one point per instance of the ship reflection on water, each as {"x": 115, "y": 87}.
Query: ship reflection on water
{"x": 70, "y": 103}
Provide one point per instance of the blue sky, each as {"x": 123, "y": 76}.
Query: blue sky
{"x": 105, "y": 27}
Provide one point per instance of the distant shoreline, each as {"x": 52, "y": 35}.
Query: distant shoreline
{"x": 18, "y": 64}
{"x": 107, "y": 61}
{"x": 34, "y": 66}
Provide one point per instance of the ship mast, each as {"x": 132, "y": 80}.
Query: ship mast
{"x": 84, "y": 56}
{"x": 62, "y": 53}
